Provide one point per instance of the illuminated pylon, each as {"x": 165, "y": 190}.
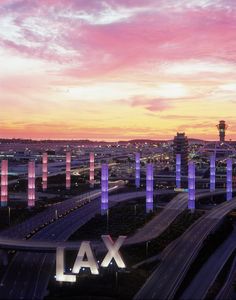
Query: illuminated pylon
{"x": 212, "y": 173}
{"x": 191, "y": 186}
{"x": 45, "y": 171}
{"x": 4, "y": 182}
{"x": 229, "y": 179}
{"x": 91, "y": 174}
{"x": 104, "y": 183}
{"x": 137, "y": 170}
{"x": 149, "y": 188}
{"x": 31, "y": 184}
{"x": 178, "y": 171}
{"x": 68, "y": 170}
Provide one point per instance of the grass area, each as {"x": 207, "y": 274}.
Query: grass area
{"x": 19, "y": 212}
{"x": 123, "y": 219}
{"x": 108, "y": 285}
{"x": 141, "y": 251}
{"x": 210, "y": 244}
{"x": 217, "y": 199}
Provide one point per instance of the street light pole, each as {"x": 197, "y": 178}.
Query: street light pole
{"x": 135, "y": 209}
{"x": 107, "y": 219}
{"x": 9, "y": 216}
{"x": 147, "y": 243}
{"x": 116, "y": 279}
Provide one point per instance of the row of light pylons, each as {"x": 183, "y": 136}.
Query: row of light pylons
{"x": 104, "y": 179}
{"x": 32, "y": 176}
{"x": 191, "y": 179}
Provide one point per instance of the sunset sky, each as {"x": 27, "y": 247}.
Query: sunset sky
{"x": 117, "y": 69}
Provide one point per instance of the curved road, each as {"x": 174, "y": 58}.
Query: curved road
{"x": 179, "y": 255}
{"x": 30, "y": 281}
{"x": 206, "y": 276}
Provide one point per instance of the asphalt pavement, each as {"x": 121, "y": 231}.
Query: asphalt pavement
{"x": 178, "y": 256}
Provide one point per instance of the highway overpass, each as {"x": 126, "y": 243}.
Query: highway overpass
{"x": 180, "y": 254}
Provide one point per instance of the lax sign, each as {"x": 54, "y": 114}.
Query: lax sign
{"x": 91, "y": 262}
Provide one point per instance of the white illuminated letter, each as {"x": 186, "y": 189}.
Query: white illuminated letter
{"x": 113, "y": 251}
{"x": 60, "y": 276}
{"x": 85, "y": 249}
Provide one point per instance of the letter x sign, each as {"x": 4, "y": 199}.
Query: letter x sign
{"x": 113, "y": 251}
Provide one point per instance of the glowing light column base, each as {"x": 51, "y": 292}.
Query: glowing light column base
{"x": 212, "y": 173}
{"x": 229, "y": 179}
{"x": 178, "y": 171}
{"x": 104, "y": 183}
{"x": 68, "y": 170}
{"x": 4, "y": 183}
{"x": 191, "y": 186}
{"x": 31, "y": 184}
{"x": 91, "y": 173}
{"x": 149, "y": 188}
{"x": 137, "y": 170}
{"x": 45, "y": 171}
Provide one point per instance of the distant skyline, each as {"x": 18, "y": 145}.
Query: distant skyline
{"x": 117, "y": 69}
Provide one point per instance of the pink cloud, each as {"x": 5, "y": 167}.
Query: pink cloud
{"x": 152, "y": 36}
{"x": 152, "y": 105}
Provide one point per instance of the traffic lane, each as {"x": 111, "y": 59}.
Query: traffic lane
{"x": 71, "y": 223}
{"x": 209, "y": 271}
{"x": 195, "y": 231}
{"x": 169, "y": 269}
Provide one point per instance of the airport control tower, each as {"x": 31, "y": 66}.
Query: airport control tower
{"x": 222, "y": 128}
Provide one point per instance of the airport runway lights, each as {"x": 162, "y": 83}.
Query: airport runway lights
{"x": 137, "y": 170}
{"x": 191, "y": 186}
{"x": 31, "y": 184}
{"x": 212, "y": 173}
{"x": 149, "y": 187}
{"x": 104, "y": 183}
{"x": 45, "y": 171}
{"x": 4, "y": 182}
{"x": 178, "y": 171}
{"x": 68, "y": 170}
{"x": 91, "y": 173}
{"x": 229, "y": 179}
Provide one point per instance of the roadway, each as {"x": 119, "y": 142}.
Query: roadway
{"x": 48, "y": 215}
{"x": 228, "y": 290}
{"x": 19, "y": 244}
{"x": 179, "y": 255}
{"x": 20, "y": 284}
{"x": 207, "y": 275}
{"x": 24, "y": 280}
{"x": 159, "y": 223}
